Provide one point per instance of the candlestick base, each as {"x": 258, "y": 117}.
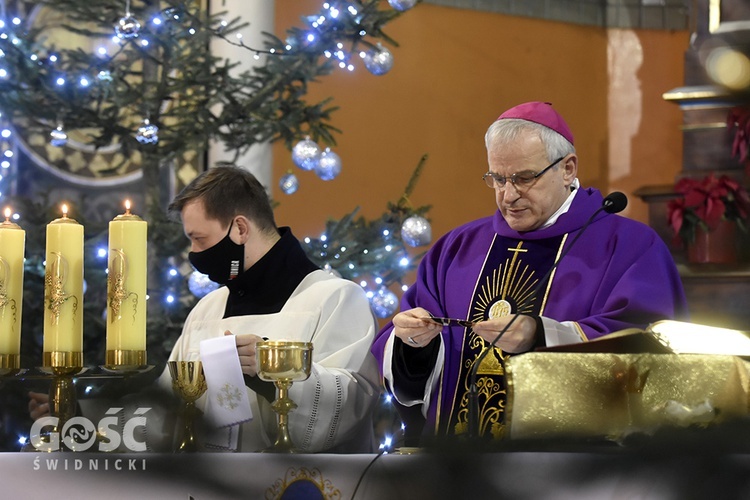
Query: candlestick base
{"x": 10, "y": 364}
{"x": 120, "y": 360}
{"x": 64, "y": 365}
{"x": 62, "y": 362}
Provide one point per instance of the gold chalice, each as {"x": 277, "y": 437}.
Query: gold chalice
{"x": 282, "y": 363}
{"x": 189, "y": 383}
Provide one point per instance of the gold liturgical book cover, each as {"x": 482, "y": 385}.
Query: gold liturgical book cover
{"x": 667, "y": 337}
{"x": 670, "y": 374}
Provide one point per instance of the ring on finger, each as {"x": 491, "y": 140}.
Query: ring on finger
{"x": 412, "y": 341}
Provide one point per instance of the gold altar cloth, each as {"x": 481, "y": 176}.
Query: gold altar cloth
{"x": 558, "y": 394}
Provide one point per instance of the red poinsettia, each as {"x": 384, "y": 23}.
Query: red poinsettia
{"x": 706, "y": 202}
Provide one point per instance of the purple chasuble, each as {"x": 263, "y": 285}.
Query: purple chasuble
{"x": 619, "y": 275}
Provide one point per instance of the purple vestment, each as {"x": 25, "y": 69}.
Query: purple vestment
{"x": 619, "y": 275}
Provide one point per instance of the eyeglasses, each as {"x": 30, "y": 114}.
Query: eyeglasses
{"x": 449, "y": 321}
{"x": 519, "y": 180}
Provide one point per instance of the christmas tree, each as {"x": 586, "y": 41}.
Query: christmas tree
{"x": 147, "y": 84}
{"x": 158, "y": 93}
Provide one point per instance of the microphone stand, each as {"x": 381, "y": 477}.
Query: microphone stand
{"x": 614, "y": 202}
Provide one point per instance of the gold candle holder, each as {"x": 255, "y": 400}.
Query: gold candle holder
{"x": 119, "y": 360}
{"x": 282, "y": 363}
{"x": 10, "y": 364}
{"x": 64, "y": 366}
{"x": 189, "y": 383}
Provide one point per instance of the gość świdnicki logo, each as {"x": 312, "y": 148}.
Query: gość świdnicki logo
{"x": 80, "y": 433}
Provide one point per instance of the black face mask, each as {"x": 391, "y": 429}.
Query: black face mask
{"x": 222, "y": 262}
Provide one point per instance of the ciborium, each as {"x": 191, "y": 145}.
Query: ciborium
{"x": 189, "y": 383}
{"x": 283, "y": 362}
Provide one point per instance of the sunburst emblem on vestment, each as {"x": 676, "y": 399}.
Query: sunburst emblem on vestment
{"x": 512, "y": 283}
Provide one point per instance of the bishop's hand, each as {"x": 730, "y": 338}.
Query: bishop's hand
{"x": 414, "y": 327}
{"x": 520, "y": 337}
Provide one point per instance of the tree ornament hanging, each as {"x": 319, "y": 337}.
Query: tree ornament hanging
{"x": 306, "y": 154}
{"x": 402, "y": 5}
{"x": 289, "y": 183}
{"x": 104, "y": 76}
{"x": 329, "y": 165}
{"x": 416, "y": 231}
{"x": 378, "y": 60}
{"x": 148, "y": 133}
{"x": 58, "y": 137}
{"x": 384, "y": 303}
{"x": 199, "y": 284}
{"x": 127, "y": 27}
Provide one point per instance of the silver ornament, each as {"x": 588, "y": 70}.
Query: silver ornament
{"x": 306, "y": 154}
{"x": 416, "y": 231}
{"x": 379, "y": 60}
{"x": 329, "y": 165}
{"x": 402, "y": 5}
{"x": 199, "y": 284}
{"x": 289, "y": 183}
{"x": 384, "y": 303}
{"x": 148, "y": 133}
{"x": 58, "y": 137}
{"x": 127, "y": 27}
{"x": 104, "y": 76}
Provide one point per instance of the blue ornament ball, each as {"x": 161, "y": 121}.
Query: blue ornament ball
{"x": 199, "y": 284}
{"x": 289, "y": 183}
{"x": 329, "y": 165}
{"x": 378, "y": 60}
{"x": 148, "y": 133}
{"x": 58, "y": 137}
{"x": 305, "y": 154}
{"x": 384, "y": 303}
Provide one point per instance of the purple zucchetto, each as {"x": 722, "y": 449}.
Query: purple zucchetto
{"x": 542, "y": 113}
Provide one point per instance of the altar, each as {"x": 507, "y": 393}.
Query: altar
{"x": 645, "y": 473}
{"x": 635, "y": 421}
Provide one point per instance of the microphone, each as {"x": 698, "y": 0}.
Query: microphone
{"x": 613, "y": 203}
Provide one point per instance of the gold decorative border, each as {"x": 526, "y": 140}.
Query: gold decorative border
{"x": 125, "y": 359}
{"x": 314, "y": 476}
{"x": 62, "y": 359}
{"x": 10, "y": 361}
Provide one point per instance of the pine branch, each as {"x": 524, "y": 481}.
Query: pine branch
{"x": 175, "y": 81}
{"x": 357, "y": 248}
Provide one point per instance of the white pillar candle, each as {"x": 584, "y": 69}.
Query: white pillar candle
{"x": 126, "y": 284}
{"x": 12, "y": 245}
{"x": 63, "y": 292}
